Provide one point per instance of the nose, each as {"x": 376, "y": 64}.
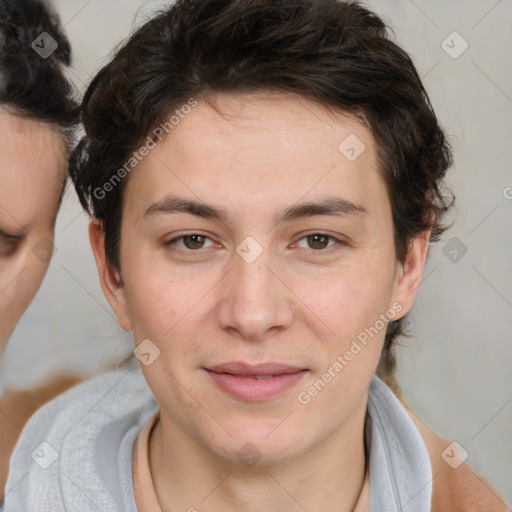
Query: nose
{"x": 255, "y": 304}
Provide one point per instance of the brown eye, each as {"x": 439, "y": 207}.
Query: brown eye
{"x": 318, "y": 241}
{"x": 193, "y": 241}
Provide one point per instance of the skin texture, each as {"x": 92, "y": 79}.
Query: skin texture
{"x": 32, "y": 170}
{"x": 32, "y": 174}
{"x": 297, "y": 304}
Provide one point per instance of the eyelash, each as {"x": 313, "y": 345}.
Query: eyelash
{"x": 8, "y": 246}
{"x": 181, "y": 237}
{"x": 185, "y": 250}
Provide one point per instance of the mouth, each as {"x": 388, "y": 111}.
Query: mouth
{"x": 255, "y": 382}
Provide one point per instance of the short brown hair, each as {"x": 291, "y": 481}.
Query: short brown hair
{"x": 333, "y": 52}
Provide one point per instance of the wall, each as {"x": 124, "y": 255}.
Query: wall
{"x": 456, "y": 368}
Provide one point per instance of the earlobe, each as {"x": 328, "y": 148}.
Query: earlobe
{"x": 409, "y": 274}
{"x": 110, "y": 278}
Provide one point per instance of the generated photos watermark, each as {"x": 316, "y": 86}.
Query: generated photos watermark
{"x": 342, "y": 360}
{"x": 137, "y": 156}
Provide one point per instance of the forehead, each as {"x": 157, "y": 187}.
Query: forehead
{"x": 262, "y": 147}
{"x": 32, "y": 167}
{"x": 294, "y": 124}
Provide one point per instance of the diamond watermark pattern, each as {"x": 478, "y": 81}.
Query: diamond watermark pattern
{"x": 249, "y": 454}
{"x": 146, "y": 352}
{"x": 351, "y": 147}
{"x": 454, "y": 45}
{"x": 454, "y": 249}
{"x": 44, "y": 455}
{"x": 44, "y": 45}
{"x": 249, "y": 250}
{"x": 44, "y": 250}
{"x": 454, "y": 455}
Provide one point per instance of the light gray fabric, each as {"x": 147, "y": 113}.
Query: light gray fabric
{"x": 400, "y": 470}
{"x": 93, "y": 426}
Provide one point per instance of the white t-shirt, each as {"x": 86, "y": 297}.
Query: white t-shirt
{"x": 76, "y": 451}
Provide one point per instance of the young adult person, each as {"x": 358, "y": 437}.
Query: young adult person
{"x": 264, "y": 180}
{"x": 37, "y": 114}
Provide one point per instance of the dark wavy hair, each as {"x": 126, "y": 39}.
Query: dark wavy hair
{"x": 31, "y": 86}
{"x": 336, "y": 53}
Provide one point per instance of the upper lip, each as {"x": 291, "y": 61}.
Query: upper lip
{"x": 246, "y": 369}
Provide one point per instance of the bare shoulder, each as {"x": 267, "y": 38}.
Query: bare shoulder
{"x": 455, "y": 485}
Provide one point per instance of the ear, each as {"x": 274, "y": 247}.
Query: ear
{"x": 409, "y": 274}
{"x": 110, "y": 278}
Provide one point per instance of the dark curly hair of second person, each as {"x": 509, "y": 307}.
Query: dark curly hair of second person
{"x": 31, "y": 86}
{"x": 336, "y": 53}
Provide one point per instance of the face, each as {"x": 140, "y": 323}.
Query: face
{"x": 32, "y": 170}
{"x": 253, "y": 244}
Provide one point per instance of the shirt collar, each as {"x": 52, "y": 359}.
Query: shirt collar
{"x": 400, "y": 470}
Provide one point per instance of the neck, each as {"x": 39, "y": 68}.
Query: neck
{"x": 189, "y": 477}
{"x": 2, "y": 381}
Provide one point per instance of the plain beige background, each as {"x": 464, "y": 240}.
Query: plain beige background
{"x": 456, "y": 369}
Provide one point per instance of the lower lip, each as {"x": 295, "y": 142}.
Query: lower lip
{"x": 249, "y": 388}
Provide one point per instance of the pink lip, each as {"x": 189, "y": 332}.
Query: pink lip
{"x": 239, "y": 379}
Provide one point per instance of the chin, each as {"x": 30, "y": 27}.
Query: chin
{"x": 261, "y": 444}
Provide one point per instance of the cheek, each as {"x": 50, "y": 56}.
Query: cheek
{"x": 352, "y": 303}
{"x": 160, "y": 303}
{"x": 19, "y": 279}
{"x": 351, "y": 297}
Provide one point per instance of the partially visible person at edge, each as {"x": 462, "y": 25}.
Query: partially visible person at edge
{"x": 264, "y": 179}
{"x": 37, "y": 115}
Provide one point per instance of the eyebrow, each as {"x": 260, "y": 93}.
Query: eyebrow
{"x": 172, "y": 204}
{"x": 329, "y": 206}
